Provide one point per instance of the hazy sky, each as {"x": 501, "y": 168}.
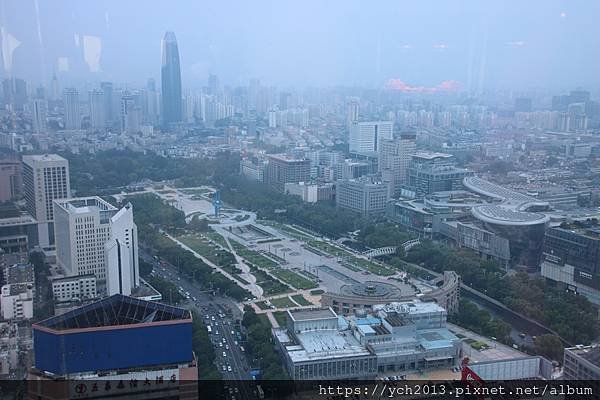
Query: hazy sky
{"x": 494, "y": 43}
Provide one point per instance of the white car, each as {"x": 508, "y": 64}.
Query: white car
{"x": 229, "y": 368}
{"x": 224, "y": 354}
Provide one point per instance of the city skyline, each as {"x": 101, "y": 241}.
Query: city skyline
{"x": 543, "y": 46}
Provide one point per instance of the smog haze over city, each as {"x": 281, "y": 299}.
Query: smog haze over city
{"x": 493, "y": 44}
{"x": 252, "y": 199}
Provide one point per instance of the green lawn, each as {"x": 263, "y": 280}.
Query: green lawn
{"x": 283, "y": 302}
{"x": 203, "y": 247}
{"x": 372, "y": 267}
{"x": 253, "y": 256}
{"x": 280, "y": 317}
{"x": 298, "y": 298}
{"x": 195, "y": 191}
{"x": 330, "y": 249}
{"x": 293, "y": 279}
{"x": 269, "y": 285}
{"x": 262, "y": 305}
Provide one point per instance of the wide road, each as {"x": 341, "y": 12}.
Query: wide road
{"x": 222, "y": 314}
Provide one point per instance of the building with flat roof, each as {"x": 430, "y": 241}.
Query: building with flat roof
{"x": 582, "y": 363}
{"x": 118, "y": 338}
{"x": 45, "y": 179}
{"x": 82, "y": 228}
{"x": 364, "y": 196}
{"x": 430, "y": 172}
{"x": 571, "y": 256}
{"x": 394, "y": 158}
{"x": 74, "y": 288}
{"x": 398, "y": 337}
{"x": 17, "y": 293}
{"x": 11, "y": 179}
{"x": 314, "y": 347}
{"x": 282, "y": 169}
{"x": 366, "y": 136}
{"x": 94, "y": 237}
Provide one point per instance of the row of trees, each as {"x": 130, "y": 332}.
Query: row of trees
{"x": 151, "y": 213}
{"x": 480, "y": 321}
{"x": 571, "y": 316}
{"x": 322, "y": 217}
{"x": 260, "y": 346}
{"x": 93, "y": 174}
{"x": 205, "y": 352}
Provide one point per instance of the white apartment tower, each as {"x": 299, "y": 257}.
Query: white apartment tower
{"x": 122, "y": 268}
{"x": 45, "y": 178}
{"x": 365, "y": 136}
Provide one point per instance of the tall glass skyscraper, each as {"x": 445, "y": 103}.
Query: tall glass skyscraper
{"x": 171, "y": 80}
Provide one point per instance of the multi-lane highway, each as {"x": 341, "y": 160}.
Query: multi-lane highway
{"x": 221, "y": 316}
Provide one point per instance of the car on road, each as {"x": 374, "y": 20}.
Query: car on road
{"x": 229, "y": 368}
{"x": 224, "y": 354}
{"x": 224, "y": 368}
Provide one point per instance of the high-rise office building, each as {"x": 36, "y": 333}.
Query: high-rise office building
{"x": 14, "y": 93}
{"x": 45, "y": 178}
{"x": 284, "y": 100}
{"x": 253, "y": 91}
{"x": 365, "y": 136}
{"x": 430, "y": 172}
{"x": 213, "y": 84}
{"x": 54, "y": 88}
{"x": 39, "y": 114}
{"x": 152, "y": 105}
{"x": 122, "y": 269}
{"x": 97, "y": 110}
{"x": 130, "y": 114}
{"x": 352, "y": 112}
{"x": 171, "y": 80}
{"x": 72, "y": 116}
{"x": 363, "y": 196}
{"x": 82, "y": 228}
{"x": 10, "y": 179}
{"x": 284, "y": 169}
{"x": 394, "y": 158}
{"x": 109, "y": 108}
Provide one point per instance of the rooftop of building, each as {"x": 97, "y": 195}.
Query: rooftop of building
{"x": 74, "y": 278}
{"x": 511, "y": 208}
{"x": 438, "y": 338}
{"x": 588, "y": 353}
{"x": 19, "y": 273}
{"x": 395, "y": 319}
{"x": 115, "y": 311}
{"x": 330, "y": 344}
{"x": 43, "y": 157}
{"x": 431, "y": 155}
{"x": 83, "y": 205}
{"x": 286, "y": 158}
{"x": 587, "y": 228}
{"x": 411, "y": 307}
{"x": 311, "y": 315}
